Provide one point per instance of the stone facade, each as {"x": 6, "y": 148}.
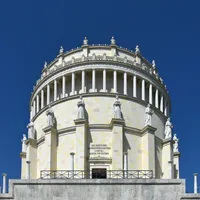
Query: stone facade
{"x": 140, "y": 189}
{"x": 98, "y": 73}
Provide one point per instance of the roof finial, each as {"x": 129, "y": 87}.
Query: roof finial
{"x": 137, "y": 50}
{"x": 85, "y": 41}
{"x": 61, "y": 50}
{"x": 113, "y": 41}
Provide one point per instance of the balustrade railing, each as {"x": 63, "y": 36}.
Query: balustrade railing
{"x": 108, "y": 174}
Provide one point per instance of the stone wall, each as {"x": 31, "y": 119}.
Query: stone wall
{"x": 138, "y": 189}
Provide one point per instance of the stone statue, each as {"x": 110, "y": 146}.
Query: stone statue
{"x": 148, "y": 114}
{"x": 24, "y": 143}
{"x": 31, "y": 131}
{"x": 117, "y": 108}
{"x": 137, "y": 50}
{"x": 61, "y": 50}
{"x": 113, "y": 41}
{"x": 45, "y": 65}
{"x": 168, "y": 129}
{"x": 175, "y": 146}
{"x": 85, "y": 41}
{"x": 81, "y": 109}
{"x": 51, "y": 120}
{"x": 153, "y": 64}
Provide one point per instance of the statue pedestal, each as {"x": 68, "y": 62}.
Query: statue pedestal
{"x": 148, "y": 148}
{"x": 176, "y": 164}
{"x": 31, "y": 155}
{"x": 167, "y": 158}
{"x": 117, "y": 143}
{"x": 51, "y": 141}
{"x": 81, "y": 144}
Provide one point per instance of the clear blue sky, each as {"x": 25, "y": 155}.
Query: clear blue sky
{"x": 32, "y": 32}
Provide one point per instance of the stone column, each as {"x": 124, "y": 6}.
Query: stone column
{"x": 72, "y": 160}
{"x": 117, "y": 141}
{"x": 125, "y": 83}
{"x": 23, "y": 165}
{"x": 73, "y": 84}
{"x": 63, "y": 87}
{"x": 28, "y": 169}
{"x": 195, "y": 184}
{"x": 125, "y": 165}
{"x": 48, "y": 94}
{"x": 42, "y": 98}
{"x": 170, "y": 168}
{"x": 134, "y": 86}
{"x": 51, "y": 148}
{"x": 34, "y": 108}
{"x": 104, "y": 80}
{"x": 143, "y": 90}
{"x": 148, "y": 148}
{"x": 115, "y": 81}
{"x": 150, "y": 93}
{"x": 161, "y": 103}
{"x": 81, "y": 144}
{"x": 55, "y": 90}
{"x": 176, "y": 165}
{"x": 31, "y": 156}
{"x": 83, "y": 82}
{"x": 156, "y": 98}
{"x": 165, "y": 108}
{"x": 4, "y": 183}
{"x": 167, "y": 155}
{"x": 93, "y": 80}
{"x": 37, "y": 98}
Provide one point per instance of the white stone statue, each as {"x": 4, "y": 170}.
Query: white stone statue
{"x": 24, "y": 143}
{"x": 117, "y": 108}
{"x": 168, "y": 129}
{"x": 31, "y": 131}
{"x": 81, "y": 109}
{"x": 175, "y": 146}
{"x": 45, "y": 65}
{"x": 85, "y": 41}
{"x": 51, "y": 120}
{"x": 61, "y": 50}
{"x": 113, "y": 41}
{"x": 137, "y": 50}
{"x": 153, "y": 64}
{"x": 148, "y": 114}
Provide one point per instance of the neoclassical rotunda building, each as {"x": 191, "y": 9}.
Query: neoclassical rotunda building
{"x": 100, "y": 111}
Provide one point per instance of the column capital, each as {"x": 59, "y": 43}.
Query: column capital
{"x": 148, "y": 129}
{"x": 116, "y": 121}
{"x": 80, "y": 122}
{"x": 49, "y": 129}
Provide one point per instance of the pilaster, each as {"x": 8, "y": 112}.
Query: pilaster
{"x": 23, "y": 165}
{"x": 176, "y": 165}
{"x": 81, "y": 144}
{"x": 148, "y": 148}
{"x": 32, "y": 157}
{"x": 167, "y": 156}
{"x": 51, "y": 141}
{"x": 117, "y": 143}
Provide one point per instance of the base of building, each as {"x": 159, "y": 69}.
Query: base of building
{"x": 98, "y": 189}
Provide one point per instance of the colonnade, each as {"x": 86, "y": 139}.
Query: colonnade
{"x": 47, "y": 95}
